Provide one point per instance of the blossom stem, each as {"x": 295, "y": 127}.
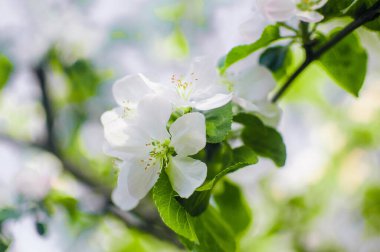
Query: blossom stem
{"x": 311, "y": 56}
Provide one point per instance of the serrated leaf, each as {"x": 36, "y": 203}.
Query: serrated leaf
{"x": 213, "y": 232}
{"x": 346, "y": 63}
{"x": 218, "y": 123}
{"x": 269, "y": 35}
{"x": 233, "y": 207}
{"x": 263, "y": 140}
{"x": 171, "y": 211}
{"x": 273, "y": 58}
{"x": 6, "y": 68}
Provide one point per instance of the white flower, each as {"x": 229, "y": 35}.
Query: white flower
{"x": 127, "y": 92}
{"x": 201, "y": 88}
{"x": 268, "y": 12}
{"x": 251, "y": 85}
{"x": 306, "y": 10}
{"x": 151, "y": 148}
{"x": 276, "y": 10}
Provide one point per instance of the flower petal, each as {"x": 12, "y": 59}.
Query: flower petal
{"x": 277, "y": 10}
{"x": 251, "y": 81}
{"x": 130, "y": 89}
{"x": 114, "y": 127}
{"x": 120, "y": 195}
{"x": 202, "y": 74}
{"x": 186, "y": 174}
{"x": 142, "y": 177}
{"x": 188, "y": 134}
{"x": 310, "y": 16}
{"x": 319, "y": 4}
{"x": 215, "y": 101}
{"x": 253, "y": 28}
{"x": 154, "y": 113}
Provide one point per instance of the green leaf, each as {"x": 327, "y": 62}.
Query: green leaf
{"x": 67, "y": 202}
{"x": 233, "y": 207}
{"x": 8, "y": 213}
{"x": 197, "y": 203}
{"x": 4, "y": 243}
{"x": 83, "y": 80}
{"x": 218, "y": 123}
{"x": 242, "y": 157}
{"x": 274, "y": 57}
{"x": 245, "y": 154}
{"x": 41, "y": 228}
{"x": 264, "y": 140}
{"x": 6, "y": 68}
{"x": 171, "y": 211}
{"x": 335, "y": 8}
{"x": 269, "y": 35}
{"x": 371, "y": 208}
{"x": 210, "y": 184}
{"x": 346, "y": 63}
{"x": 213, "y": 232}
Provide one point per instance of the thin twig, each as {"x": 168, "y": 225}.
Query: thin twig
{"x": 370, "y": 15}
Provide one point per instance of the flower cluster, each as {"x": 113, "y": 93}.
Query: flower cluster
{"x": 147, "y": 137}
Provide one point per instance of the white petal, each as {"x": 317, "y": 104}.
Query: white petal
{"x": 141, "y": 177}
{"x": 319, "y": 5}
{"x": 130, "y": 89}
{"x": 277, "y": 10}
{"x": 203, "y": 73}
{"x": 154, "y": 113}
{"x": 310, "y": 16}
{"x": 186, "y": 175}
{"x": 115, "y": 127}
{"x": 253, "y": 28}
{"x": 188, "y": 134}
{"x": 215, "y": 101}
{"x": 120, "y": 195}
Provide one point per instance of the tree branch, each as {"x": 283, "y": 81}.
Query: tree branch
{"x": 131, "y": 219}
{"x": 311, "y": 56}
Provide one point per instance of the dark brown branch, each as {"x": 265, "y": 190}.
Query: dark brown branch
{"x": 368, "y": 16}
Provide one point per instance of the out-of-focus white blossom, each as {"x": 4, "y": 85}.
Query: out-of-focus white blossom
{"x": 25, "y": 238}
{"x": 268, "y": 12}
{"x": 29, "y": 175}
{"x": 251, "y": 85}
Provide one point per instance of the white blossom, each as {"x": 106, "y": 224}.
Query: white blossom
{"x": 201, "y": 88}
{"x": 251, "y": 85}
{"x": 266, "y": 12}
{"x": 150, "y": 147}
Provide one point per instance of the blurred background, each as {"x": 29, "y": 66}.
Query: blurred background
{"x": 58, "y": 60}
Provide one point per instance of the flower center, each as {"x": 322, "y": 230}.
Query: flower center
{"x": 184, "y": 88}
{"x": 160, "y": 152}
{"x": 128, "y": 109}
{"x": 307, "y": 5}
